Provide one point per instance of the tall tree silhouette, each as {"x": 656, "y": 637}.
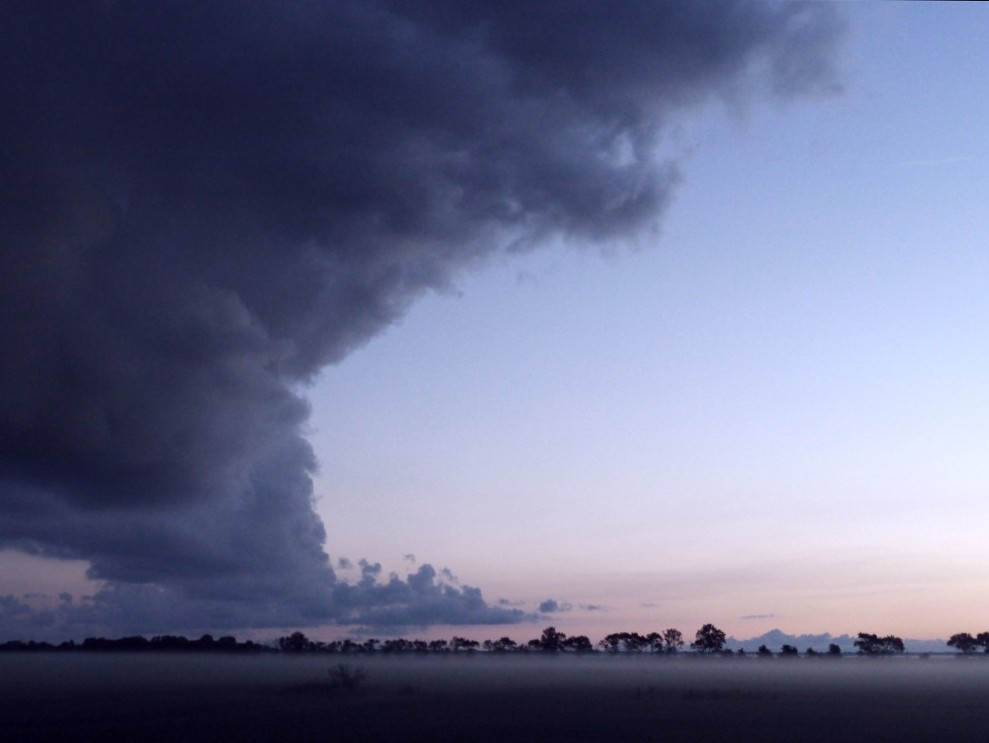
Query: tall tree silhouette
{"x": 709, "y": 639}
{"x": 551, "y": 641}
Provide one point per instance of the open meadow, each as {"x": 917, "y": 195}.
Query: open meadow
{"x": 479, "y": 697}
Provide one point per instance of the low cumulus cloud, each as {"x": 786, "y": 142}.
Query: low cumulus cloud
{"x": 552, "y": 606}
{"x": 396, "y": 603}
{"x": 206, "y": 203}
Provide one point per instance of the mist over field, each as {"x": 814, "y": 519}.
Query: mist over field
{"x": 481, "y": 697}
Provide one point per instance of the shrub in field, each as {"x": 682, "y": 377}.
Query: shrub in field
{"x": 345, "y": 677}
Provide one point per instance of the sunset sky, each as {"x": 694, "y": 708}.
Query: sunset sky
{"x": 626, "y": 320}
{"x": 773, "y": 413}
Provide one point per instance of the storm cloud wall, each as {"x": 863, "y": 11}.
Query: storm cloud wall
{"x": 203, "y": 204}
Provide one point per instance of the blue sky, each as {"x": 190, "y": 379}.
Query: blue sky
{"x": 775, "y": 407}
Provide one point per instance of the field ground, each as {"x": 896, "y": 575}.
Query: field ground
{"x": 477, "y": 698}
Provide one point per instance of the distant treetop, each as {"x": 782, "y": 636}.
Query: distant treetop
{"x": 869, "y": 644}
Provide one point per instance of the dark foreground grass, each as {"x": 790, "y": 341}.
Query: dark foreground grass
{"x": 92, "y": 697}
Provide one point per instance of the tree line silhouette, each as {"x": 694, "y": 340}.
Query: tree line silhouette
{"x": 708, "y": 640}
{"x": 138, "y": 643}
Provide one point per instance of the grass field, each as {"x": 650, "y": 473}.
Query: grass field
{"x": 162, "y": 697}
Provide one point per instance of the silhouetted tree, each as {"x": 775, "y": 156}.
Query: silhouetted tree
{"x": 294, "y": 643}
{"x": 709, "y": 639}
{"x": 550, "y": 641}
{"x": 788, "y": 651}
{"x": 834, "y": 651}
{"x": 869, "y": 644}
{"x": 627, "y": 642}
{"x": 578, "y": 644}
{"x": 462, "y": 643}
{"x": 396, "y": 645}
{"x": 983, "y": 639}
{"x": 672, "y": 640}
{"x": 502, "y": 645}
{"x": 135, "y": 642}
{"x": 636, "y": 643}
{"x": 438, "y": 646}
{"x": 964, "y": 642}
{"x": 169, "y": 642}
{"x": 611, "y": 643}
{"x": 764, "y": 652}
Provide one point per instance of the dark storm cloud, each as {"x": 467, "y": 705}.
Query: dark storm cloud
{"x": 205, "y": 203}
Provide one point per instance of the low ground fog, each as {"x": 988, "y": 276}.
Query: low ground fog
{"x": 480, "y": 697}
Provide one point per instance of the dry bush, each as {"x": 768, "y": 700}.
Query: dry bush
{"x": 346, "y": 677}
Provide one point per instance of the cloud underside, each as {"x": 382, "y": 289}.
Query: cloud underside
{"x": 205, "y": 204}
